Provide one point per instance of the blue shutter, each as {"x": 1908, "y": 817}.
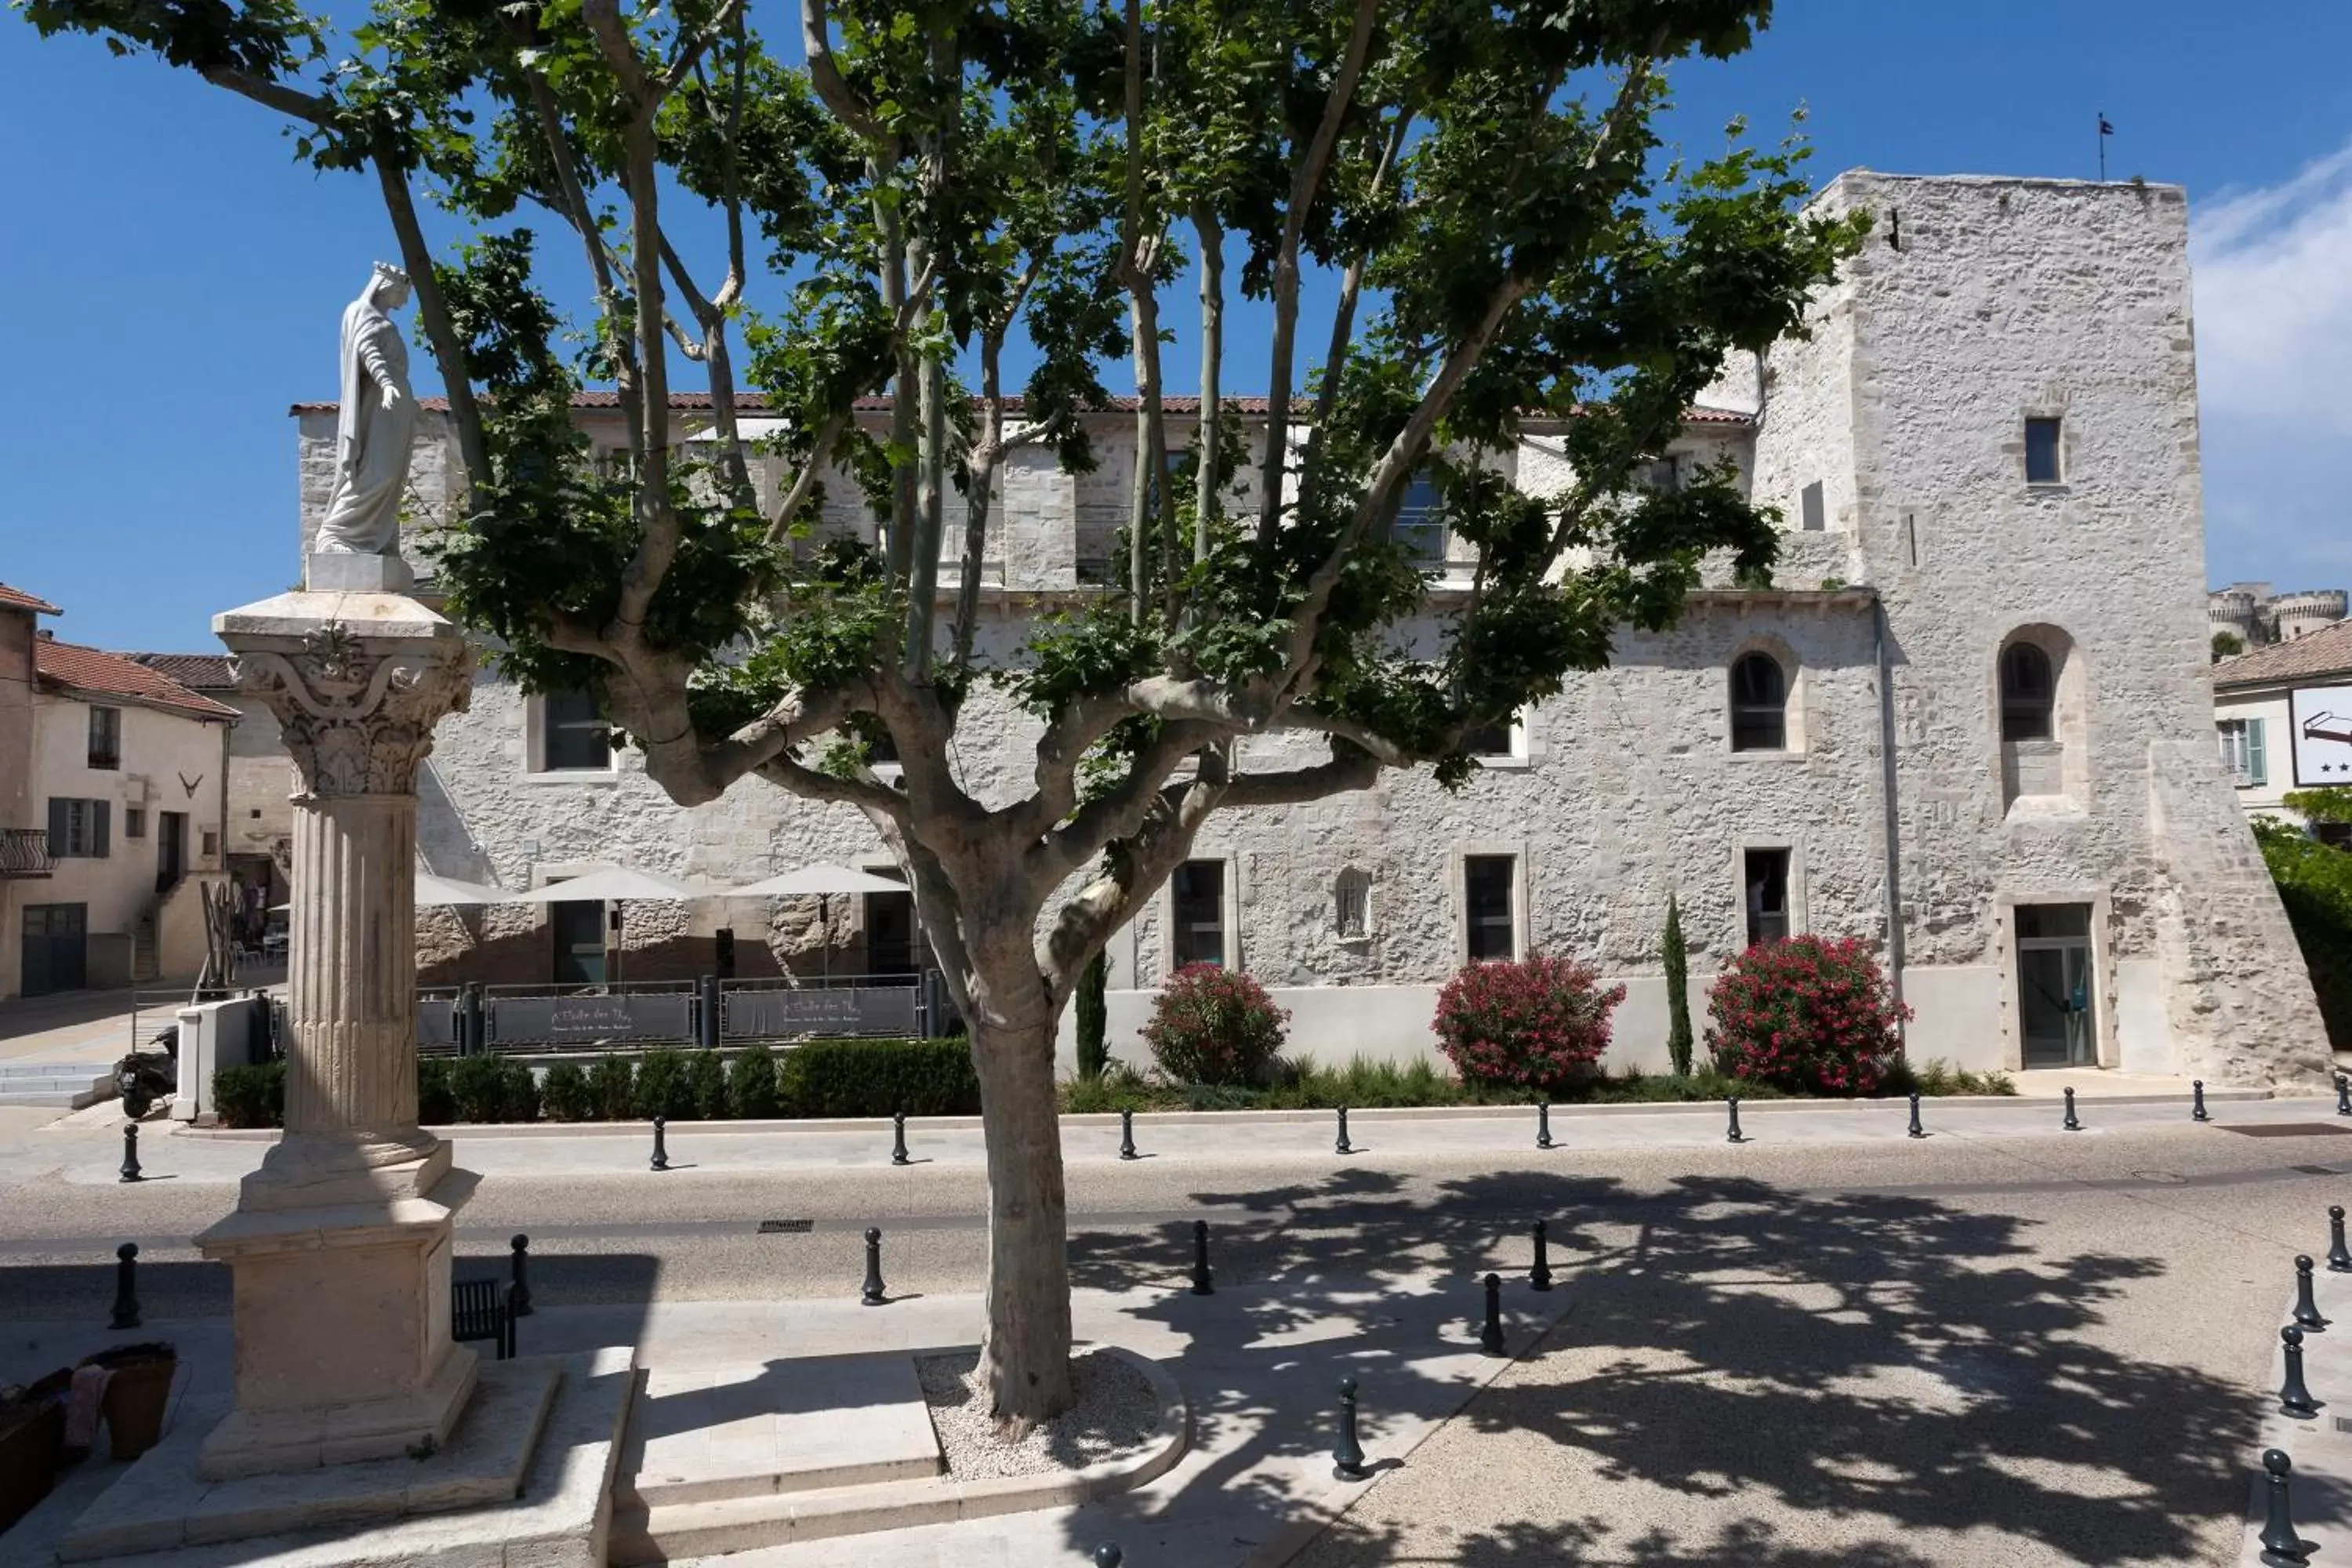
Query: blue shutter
{"x": 2257, "y": 769}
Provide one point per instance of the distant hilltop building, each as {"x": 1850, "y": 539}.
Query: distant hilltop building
{"x": 2258, "y": 617}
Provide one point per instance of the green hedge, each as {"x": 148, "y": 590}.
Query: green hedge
{"x": 877, "y": 1077}
{"x": 819, "y": 1079}
{"x": 2314, "y": 883}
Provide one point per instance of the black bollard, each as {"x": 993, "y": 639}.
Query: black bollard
{"x": 1916, "y": 1130}
{"x": 2072, "y": 1123}
{"x": 126, "y": 1286}
{"x": 1203, "y": 1283}
{"x": 898, "y": 1138}
{"x": 1127, "y": 1136}
{"x": 2280, "y": 1542}
{"x": 131, "y": 1153}
{"x": 2343, "y": 1095}
{"x": 2339, "y": 1261}
{"x": 873, "y": 1294}
{"x": 661, "y": 1149}
{"x": 2306, "y": 1310}
{"x": 1735, "y": 1135}
{"x": 2197, "y": 1112}
{"x": 521, "y": 1245}
{"x": 1343, "y": 1146}
{"x": 1543, "y": 1126}
{"x": 1347, "y": 1454}
{"x": 1108, "y": 1556}
{"x": 2295, "y": 1398}
{"x": 1539, "y": 1276}
{"x": 1490, "y": 1336}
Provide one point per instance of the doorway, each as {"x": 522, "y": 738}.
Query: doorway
{"x": 170, "y": 850}
{"x": 578, "y": 926}
{"x": 2056, "y": 999}
{"x": 891, "y": 931}
{"x": 56, "y": 947}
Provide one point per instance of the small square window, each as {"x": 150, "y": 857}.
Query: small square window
{"x": 134, "y": 822}
{"x": 1486, "y": 903}
{"x": 1812, "y": 510}
{"x": 574, "y": 737}
{"x": 1665, "y": 474}
{"x": 211, "y": 843}
{"x": 1491, "y": 739}
{"x": 2041, "y": 455}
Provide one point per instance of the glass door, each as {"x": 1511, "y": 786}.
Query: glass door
{"x": 2055, "y": 1009}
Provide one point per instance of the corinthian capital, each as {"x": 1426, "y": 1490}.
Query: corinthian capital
{"x": 357, "y": 712}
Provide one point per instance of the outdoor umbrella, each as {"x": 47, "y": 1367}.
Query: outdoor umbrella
{"x": 432, "y": 889}
{"x": 819, "y": 881}
{"x": 614, "y": 885}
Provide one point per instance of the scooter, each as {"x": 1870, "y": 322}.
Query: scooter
{"x": 142, "y": 1078}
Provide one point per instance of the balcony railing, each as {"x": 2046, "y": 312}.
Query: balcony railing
{"x": 24, "y": 852}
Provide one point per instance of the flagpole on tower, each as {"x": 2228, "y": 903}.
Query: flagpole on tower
{"x": 2105, "y": 130}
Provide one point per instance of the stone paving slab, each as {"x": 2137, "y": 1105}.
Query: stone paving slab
{"x": 704, "y": 1431}
{"x": 561, "y": 1519}
{"x": 161, "y": 1502}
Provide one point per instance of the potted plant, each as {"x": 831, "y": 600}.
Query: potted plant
{"x": 138, "y": 1392}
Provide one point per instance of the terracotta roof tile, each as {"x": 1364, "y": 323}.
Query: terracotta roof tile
{"x": 2327, "y": 651}
{"x": 196, "y": 671}
{"x": 89, "y": 671}
{"x": 17, "y": 599}
{"x": 753, "y": 403}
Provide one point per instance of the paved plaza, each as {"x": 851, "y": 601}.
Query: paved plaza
{"x": 2004, "y": 1344}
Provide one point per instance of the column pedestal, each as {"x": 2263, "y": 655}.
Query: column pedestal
{"x": 341, "y": 1242}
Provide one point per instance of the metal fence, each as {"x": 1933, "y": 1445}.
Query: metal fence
{"x": 472, "y": 1019}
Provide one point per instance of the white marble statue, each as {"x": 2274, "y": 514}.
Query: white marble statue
{"x": 377, "y": 417}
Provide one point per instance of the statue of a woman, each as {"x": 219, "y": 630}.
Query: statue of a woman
{"x": 374, "y": 422}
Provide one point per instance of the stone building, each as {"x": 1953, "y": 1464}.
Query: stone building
{"x": 1969, "y": 723}
{"x": 2258, "y": 617}
{"x": 112, "y": 793}
{"x": 258, "y": 815}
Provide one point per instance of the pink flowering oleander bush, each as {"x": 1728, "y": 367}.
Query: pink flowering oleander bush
{"x": 1215, "y": 1026}
{"x": 1535, "y": 1022}
{"x": 1808, "y": 1013}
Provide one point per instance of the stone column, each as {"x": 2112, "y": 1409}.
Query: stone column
{"x": 341, "y": 1241}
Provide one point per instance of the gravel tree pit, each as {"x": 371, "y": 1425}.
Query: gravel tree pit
{"x": 1115, "y": 1411}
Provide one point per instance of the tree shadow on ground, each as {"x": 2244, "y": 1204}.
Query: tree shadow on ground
{"x": 1874, "y": 1362}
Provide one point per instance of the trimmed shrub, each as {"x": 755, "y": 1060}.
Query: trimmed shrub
{"x": 565, "y": 1094}
{"x": 1807, "y": 1014}
{"x": 1093, "y": 1004}
{"x": 751, "y": 1084}
{"x": 877, "y": 1077}
{"x": 706, "y": 1086}
{"x": 1535, "y": 1022}
{"x": 2314, "y": 883}
{"x": 489, "y": 1088}
{"x": 435, "y": 1105}
{"x": 661, "y": 1085}
{"x": 612, "y": 1089}
{"x": 250, "y": 1096}
{"x": 1215, "y": 1026}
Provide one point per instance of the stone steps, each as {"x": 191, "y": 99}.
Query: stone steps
{"x": 71, "y": 1085}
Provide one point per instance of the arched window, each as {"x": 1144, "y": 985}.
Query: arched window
{"x": 1759, "y": 704}
{"x": 1351, "y": 905}
{"x": 2029, "y": 691}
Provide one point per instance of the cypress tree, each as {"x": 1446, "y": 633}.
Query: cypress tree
{"x": 1677, "y": 959}
{"x": 1094, "y": 1017}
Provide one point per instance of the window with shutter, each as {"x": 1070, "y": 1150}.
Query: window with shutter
{"x": 2257, "y": 765}
{"x": 101, "y": 822}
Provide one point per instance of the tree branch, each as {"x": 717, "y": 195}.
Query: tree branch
{"x": 833, "y": 88}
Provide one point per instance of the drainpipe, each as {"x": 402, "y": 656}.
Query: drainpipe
{"x": 1892, "y": 823}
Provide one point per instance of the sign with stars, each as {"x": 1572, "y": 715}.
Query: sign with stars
{"x": 2321, "y": 719}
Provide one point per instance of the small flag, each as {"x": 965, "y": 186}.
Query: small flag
{"x": 2105, "y": 129}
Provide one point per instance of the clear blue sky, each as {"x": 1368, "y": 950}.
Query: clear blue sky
{"x": 175, "y": 279}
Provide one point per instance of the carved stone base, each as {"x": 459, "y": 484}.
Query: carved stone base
{"x": 342, "y": 1328}
{"x": 332, "y": 571}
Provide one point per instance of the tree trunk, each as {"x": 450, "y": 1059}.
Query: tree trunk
{"x": 1025, "y": 1353}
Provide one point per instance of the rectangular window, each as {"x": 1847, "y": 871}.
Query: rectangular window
{"x": 578, "y": 929}
{"x": 1764, "y": 873}
{"x": 1351, "y": 899}
{"x": 574, "y": 737}
{"x": 2042, "y": 458}
{"x": 1418, "y": 526}
{"x": 1486, "y": 903}
{"x": 1197, "y": 903}
{"x": 106, "y": 737}
{"x": 1810, "y": 508}
{"x": 1665, "y": 474}
{"x": 134, "y": 821}
{"x": 2242, "y": 751}
{"x": 211, "y": 843}
{"x": 1490, "y": 741}
{"x": 78, "y": 829}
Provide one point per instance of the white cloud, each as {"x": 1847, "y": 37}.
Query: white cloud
{"x": 2273, "y": 281}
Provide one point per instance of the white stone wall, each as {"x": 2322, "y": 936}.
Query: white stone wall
{"x": 1909, "y": 822}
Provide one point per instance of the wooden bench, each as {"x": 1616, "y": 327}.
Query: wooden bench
{"x": 483, "y": 1309}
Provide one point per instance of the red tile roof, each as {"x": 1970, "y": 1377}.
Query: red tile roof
{"x": 754, "y": 402}
{"x": 93, "y": 672}
{"x": 17, "y": 599}
{"x": 2325, "y": 652}
{"x": 196, "y": 671}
